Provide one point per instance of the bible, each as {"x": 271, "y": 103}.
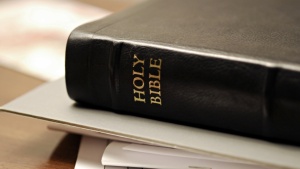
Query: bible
{"x": 231, "y": 66}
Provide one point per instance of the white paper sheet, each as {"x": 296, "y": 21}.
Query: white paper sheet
{"x": 90, "y": 153}
{"x": 126, "y": 154}
{"x": 155, "y": 150}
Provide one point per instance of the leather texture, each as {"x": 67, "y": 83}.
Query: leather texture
{"x": 229, "y": 65}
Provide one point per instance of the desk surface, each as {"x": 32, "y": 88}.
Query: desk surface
{"x": 26, "y": 142}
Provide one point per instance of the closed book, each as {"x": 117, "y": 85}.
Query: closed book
{"x": 231, "y": 66}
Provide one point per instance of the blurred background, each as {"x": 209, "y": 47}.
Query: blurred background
{"x": 34, "y": 32}
{"x": 33, "y": 36}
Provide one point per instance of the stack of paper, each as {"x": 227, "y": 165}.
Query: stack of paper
{"x": 171, "y": 145}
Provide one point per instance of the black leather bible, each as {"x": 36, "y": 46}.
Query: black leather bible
{"x": 232, "y": 65}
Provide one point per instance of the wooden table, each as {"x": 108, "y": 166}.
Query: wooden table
{"x": 26, "y": 142}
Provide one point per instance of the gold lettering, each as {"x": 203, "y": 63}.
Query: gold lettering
{"x": 135, "y": 83}
{"x": 154, "y": 84}
{"x": 154, "y": 92}
{"x": 138, "y": 73}
{"x": 138, "y": 82}
{"x": 155, "y": 76}
{"x": 154, "y": 64}
{"x": 155, "y": 100}
{"x": 138, "y": 61}
{"x": 139, "y": 98}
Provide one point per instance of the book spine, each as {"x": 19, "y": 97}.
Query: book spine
{"x": 174, "y": 85}
{"x": 189, "y": 88}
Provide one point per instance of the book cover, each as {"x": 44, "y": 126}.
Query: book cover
{"x": 231, "y": 66}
